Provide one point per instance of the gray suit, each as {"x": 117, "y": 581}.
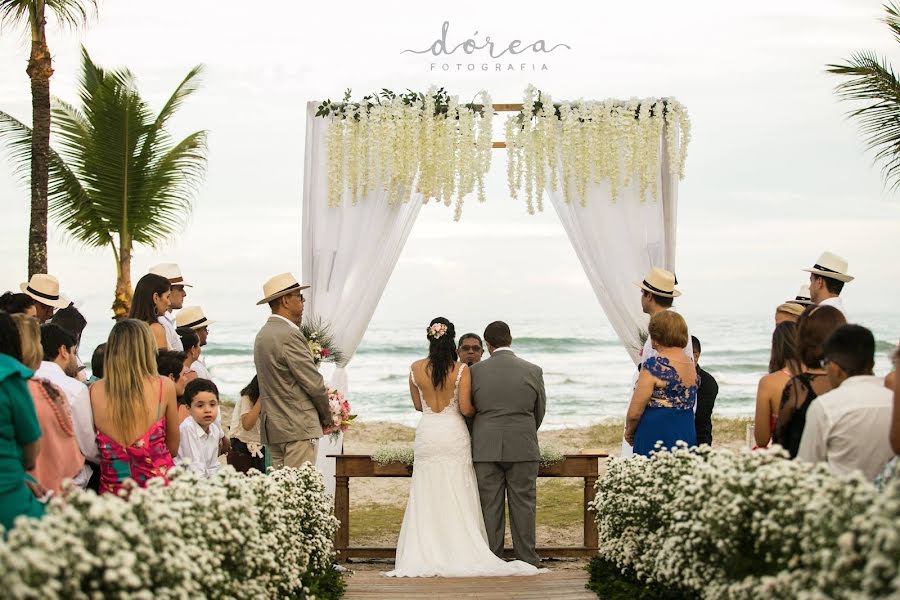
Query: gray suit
{"x": 293, "y": 399}
{"x": 509, "y": 398}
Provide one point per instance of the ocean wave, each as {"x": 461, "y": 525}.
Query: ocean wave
{"x": 393, "y": 377}
{"x": 531, "y": 344}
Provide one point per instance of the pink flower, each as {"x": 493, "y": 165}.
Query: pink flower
{"x": 324, "y": 353}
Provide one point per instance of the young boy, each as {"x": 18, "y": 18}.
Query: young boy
{"x": 200, "y": 434}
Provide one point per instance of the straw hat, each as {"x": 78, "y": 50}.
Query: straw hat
{"x": 803, "y": 298}
{"x": 791, "y": 308}
{"x": 660, "y": 282}
{"x": 832, "y": 266}
{"x": 193, "y": 317}
{"x": 170, "y": 271}
{"x": 44, "y": 288}
{"x": 279, "y": 286}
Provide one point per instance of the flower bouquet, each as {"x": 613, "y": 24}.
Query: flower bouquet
{"x": 320, "y": 340}
{"x": 340, "y": 414}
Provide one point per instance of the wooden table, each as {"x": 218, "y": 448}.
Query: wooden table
{"x": 584, "y": 466}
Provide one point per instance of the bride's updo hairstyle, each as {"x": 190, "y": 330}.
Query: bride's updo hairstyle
{"x": 441, "y": 349}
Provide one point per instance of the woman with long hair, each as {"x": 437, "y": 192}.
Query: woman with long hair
{"x": 783, "y": 364}
{"x": 247, "y": 452}
{"x": 60, "y": 456}
{"x": 134, "y": 410}
{"x": 443, "y": 532}
{"x": 150, "y": 301}
{"x": 815, "y": 325}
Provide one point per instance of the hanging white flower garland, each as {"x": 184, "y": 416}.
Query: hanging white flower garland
{"x": 610, "y": 140}
{"x": 427, "y": 142}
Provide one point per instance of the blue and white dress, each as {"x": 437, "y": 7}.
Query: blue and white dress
{"x": 669, "y": 416}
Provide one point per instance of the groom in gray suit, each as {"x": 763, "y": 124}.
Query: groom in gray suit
{"x": 508, "y": 394}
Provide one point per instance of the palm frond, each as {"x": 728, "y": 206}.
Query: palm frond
{"x": 892, "y": 19}
{"x": 873, "y": 81}
{"x": 72, "y": 13}
{"x": 15, "y": 137}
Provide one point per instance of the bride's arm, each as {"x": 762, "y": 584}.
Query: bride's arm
{"x": 465, "y": 393}
{"x": 414, "y": 392}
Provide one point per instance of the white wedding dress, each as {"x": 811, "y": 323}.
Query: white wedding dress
{"x": 443, "y": 531}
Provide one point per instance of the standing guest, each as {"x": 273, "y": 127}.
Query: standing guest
{"x": 15, "y": 304}
{"x": 172, "y": 272}
{"x": 60, "y": 456}
{"x": 19, "y": 431}
{"x": 657, "y": 295}
{"x": 849, "y": 427}
{"x": 662, "y": 406}
{"x": 826, "y": 280}
{"x": 71, "y": 319}
{"x": 706, "y": 399}
{"x": 192, "y": 317}
{"x": 247, "y": 452}
{"x": 134, "y": 410}
{"x": 97, "y": 363}
{"x": 783, "y": 364}
{"x": 150, "y": 300}
{"x": 815, "y": 325}
{"x": 200, "y": 434}
{"x": 470, "y": 348}
{"x": 60, "y": 364}
{"x": 170, "y": 363}
{"x": 44, "y": 290}
{"x": 293, "y": 399}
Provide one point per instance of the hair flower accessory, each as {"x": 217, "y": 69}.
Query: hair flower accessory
{"x": 437, "y": 331}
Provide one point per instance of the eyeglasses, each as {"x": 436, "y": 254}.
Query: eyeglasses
{"x": 470, "y": 348}
{"x": 302, "y": 299}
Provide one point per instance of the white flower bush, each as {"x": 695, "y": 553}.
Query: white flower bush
{"x": 231, "y": 536}
{"x": 719, "y": 524}
{"x": 617, "y": 141}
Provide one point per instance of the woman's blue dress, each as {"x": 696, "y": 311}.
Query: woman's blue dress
{"x": 669, "y": 417}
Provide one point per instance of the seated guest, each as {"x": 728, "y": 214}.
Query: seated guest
{"x": 849, "y": 427}
{"x": 134, "y": 410}
{"x": 662, "y": 407}
{"x": 470, "y": 348}
{"x": 815, "y": 325}
{"x": 60, "y": 456}
{"x": 97, "y": 364}
{"x": 246, "y": 450}
{"x": 71, "y": 319}
{"x": 783, "y": 365}
{"x": 19, "y": 431}
{"x": 200, "y": 434}
{"x": 16, "y": 304}
{"x": 60, "y": 364}
{"x": 192, "y": 317}
{"x": 706, "y": 399}
{"x": 170, "y": 363}
{"x": 150, "y": 300}
{"x": 44, "y": 290}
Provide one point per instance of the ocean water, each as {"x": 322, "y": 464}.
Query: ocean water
{"x": 587, "y": 372}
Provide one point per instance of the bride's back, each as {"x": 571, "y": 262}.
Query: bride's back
{"x": 436, "y": 398}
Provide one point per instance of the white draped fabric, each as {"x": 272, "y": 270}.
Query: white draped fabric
{"x": 618, "y": 241}
{"x": 348, "y": 257}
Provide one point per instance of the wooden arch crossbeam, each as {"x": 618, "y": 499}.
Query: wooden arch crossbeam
{"x": 503, "y": 108}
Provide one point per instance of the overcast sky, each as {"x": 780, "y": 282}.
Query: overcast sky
{"x": 775, "y": 173}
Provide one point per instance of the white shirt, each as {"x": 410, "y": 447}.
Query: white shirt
{"x": 198, "y": 450}
{"x": 199, "y": 367}
{"x": 248, "y": 436}
{"x": 835, "y": 302}
{"x": 849, "y": 427}
{"x": 73, "y": 388}
{"x": 288, "y": 321}
{"x": 172, "y": 338}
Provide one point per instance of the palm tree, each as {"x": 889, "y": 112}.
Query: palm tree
{"x": 40, "y": 69}
{"x": 872, "y": 80}
{"x": 117, "y": 178}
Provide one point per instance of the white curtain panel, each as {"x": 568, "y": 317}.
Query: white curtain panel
{"x": 617, "y": 241}
{"x": 349, "y": 254}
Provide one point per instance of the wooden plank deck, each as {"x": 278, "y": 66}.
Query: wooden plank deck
{"x": 560, "y": 585}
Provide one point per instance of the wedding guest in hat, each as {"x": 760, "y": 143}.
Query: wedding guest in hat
{"x": 791, "y": 310}
{"x": 849, "y": 427}
{"x": 826, "y": 280}
{"x": 658, "y": 294}
{"x": 192, "y": 317}
{"x": 177, "y": 294}
{"x": 288, "y": 378}
{"x": 44, "y": 290}
{"x": 18, "y": 303}
{"x": 150, "y": 300}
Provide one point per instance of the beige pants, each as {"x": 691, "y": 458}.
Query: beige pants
{"x": 293, "y": 454}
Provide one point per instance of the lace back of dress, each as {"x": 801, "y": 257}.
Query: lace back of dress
{"x": 453, "y": 407}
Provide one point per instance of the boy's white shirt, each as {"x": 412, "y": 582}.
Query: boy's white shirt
{"x": 198, "y": 450}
